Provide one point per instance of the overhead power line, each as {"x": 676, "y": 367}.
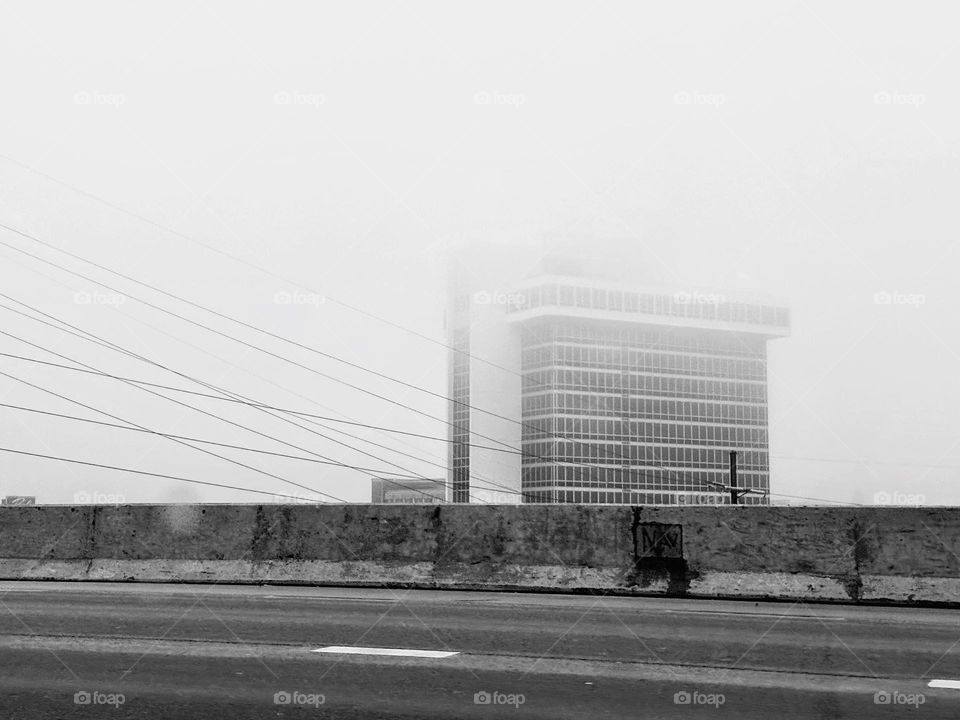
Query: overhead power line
{"x": 253, "y": 266}
{"x": 481, "y": 480}
{"x": 250, "y": 345}
{"x": 288, "y": 411}
{"x": 549, "y": 435}
{"x": 275, "y": 275}
{"x": 151, "y": 474}
{"x": 90, "y": 337}
{"x": 180, "y": 340}
{"x": 223, "y": 334}
{"x": 170, "y": 437}
{"x": 244, "y": 448}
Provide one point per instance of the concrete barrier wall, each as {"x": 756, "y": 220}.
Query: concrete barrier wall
{"x": 898, "y": 555}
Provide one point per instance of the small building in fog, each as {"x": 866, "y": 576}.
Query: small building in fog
{"x": 406, "y": 491}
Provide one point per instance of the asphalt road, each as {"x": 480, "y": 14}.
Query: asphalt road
{"x": 82, "y": 650}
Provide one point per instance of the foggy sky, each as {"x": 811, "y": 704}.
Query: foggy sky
{"x": 798, "y": 149}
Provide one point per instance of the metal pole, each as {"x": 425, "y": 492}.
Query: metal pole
{"x": 734, "y": 497}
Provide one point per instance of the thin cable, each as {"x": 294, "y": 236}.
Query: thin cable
{"x": 229, "y": 337}
{"x": 213, "y": 330}
{"x": 208, "y": 353}
{"x": 270, "y": 273}
{"x": 480, "y": 479}
{"x": 249, "y": 345}
{"x": 821, "y": 500}
{"x": 255, "y": 347}
{"x": 288, "y": 411}
{"x": 151, "y": 474}
{"x": 185, "y": 437}
{"x": 186, "y": 405}
{"x": 253, "y": 266}
{"x": 170, "y": 437}
{"x": 113, "y": 346}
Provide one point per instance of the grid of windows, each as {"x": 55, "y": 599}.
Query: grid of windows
{"x": 570, "y": 495}
{"x": 460, "y": 429}
{"x": 639, "y": 414}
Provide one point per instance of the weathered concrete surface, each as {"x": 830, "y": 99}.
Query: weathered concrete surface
{"x": 899, "y": 555}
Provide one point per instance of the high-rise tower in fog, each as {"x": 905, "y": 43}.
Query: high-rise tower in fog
{"x": 615, "y": 390}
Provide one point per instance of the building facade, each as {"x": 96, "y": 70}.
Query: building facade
{"x": 620, "y": 394}
{"x": 407, "y": 491}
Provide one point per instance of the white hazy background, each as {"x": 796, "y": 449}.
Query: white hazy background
{"x": 802, "y": 149}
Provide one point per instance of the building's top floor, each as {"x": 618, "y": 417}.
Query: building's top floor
{"x": 560, "y": 295}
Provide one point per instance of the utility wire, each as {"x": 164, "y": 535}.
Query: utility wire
{"x": 112, "y": 346}
{"x": 186, "y": 437}
{"x": 169, "y": 437}
{"x": 249, "y": 345}
{"x": 251, "y": 265}
{"x": 220, "y": 333}
{"x": 288, "y": 411}
{"x": 177, "y": 402}
{"x": 266, "y": 271}
{"x": 151, "y": 474}
{"x": 180, "y": 340}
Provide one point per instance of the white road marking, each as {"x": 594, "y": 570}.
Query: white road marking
{"x": 396, "y": 652}
{"x": 952, "y": 684}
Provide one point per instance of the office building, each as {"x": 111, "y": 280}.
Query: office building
{"x": 406, "y": 491}
{"x": 615, "y": 392}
